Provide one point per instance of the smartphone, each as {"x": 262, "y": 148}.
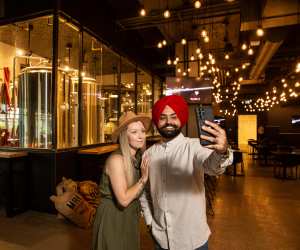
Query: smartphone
{"x": 204, "y": 112}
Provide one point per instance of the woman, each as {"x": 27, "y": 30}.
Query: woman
{"x": 124, "y": 176}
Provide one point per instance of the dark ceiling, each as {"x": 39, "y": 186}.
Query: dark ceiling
{"x": 227, "y": 22}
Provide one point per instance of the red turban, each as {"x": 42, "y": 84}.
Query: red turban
{"x": 177, "y": 103}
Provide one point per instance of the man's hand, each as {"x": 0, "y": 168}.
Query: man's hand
{"x": 218, "y": 139}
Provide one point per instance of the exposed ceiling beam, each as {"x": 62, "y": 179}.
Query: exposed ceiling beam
{"x": 276, "y": 13}
{"x": 264, "y": 56}
{"x": 273, "y": 21}
{"x": 251, "y": 82}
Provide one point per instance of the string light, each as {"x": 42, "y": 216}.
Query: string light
{"x": 244, "y": 46}
{"x": 250, "y": 51}
{"x": 197, "y": 4}
{"x": 260, "y": 32}
{"x": 142, "y": 12}
{"x": 167, "y": 13}
{"x": 203, "y": 33}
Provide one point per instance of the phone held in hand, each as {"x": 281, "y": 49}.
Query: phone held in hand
{"x": 204, "y": 112}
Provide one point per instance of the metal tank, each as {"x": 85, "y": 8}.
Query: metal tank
{"x": 35, "y": 104}
{"x": 35, "y": 107}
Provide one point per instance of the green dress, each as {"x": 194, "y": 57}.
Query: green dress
{"x": 116, "y": 227}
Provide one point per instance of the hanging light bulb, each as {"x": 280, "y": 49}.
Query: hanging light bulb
{"x": 167, "y": 13}
{"x": 183, "y": 41}
{"x": 200, "y": 56}
{"x": 198, "y": 50}
{"x": 197, "y": 4}
{"x": 159, "y": 45}
{"x": 250, "y": 51}
{"x": 164, "y": 42}
{"x": 260, "y": 32}
{"x": 179, "y": 70}
{"x": 174, "y": 62}
{"x": 244, "y": 46}
{"x": 192, "y": 58}
{"x": 226, "y": 56}
{"x": 177, "y": 58}
{"x": 206, "y": 39}
{"x": 142, "y": 12}
{"x": 169, "y": 62}
{"x": 203, "y": 32}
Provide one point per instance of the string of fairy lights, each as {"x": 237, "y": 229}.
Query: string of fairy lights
{"x": 227, "y": 80}
{"x": 288, "y": 89}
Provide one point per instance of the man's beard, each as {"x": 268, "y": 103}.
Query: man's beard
{"x": 169, "y": 134}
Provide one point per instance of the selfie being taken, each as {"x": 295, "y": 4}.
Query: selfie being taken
{"x": 149, "y": 125}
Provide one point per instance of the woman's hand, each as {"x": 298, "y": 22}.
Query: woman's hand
{"x": 145, "y": 168}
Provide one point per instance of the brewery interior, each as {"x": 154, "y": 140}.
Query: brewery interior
{"x": 69, "y": 70}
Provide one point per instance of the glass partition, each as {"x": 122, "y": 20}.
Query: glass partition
{"x": 94, "y": 87}
{"x": 127, "y": 86}
{"x": 26, "y": 83}
{"x": 144, "y": 92}
{"x": 67, "y": 84}
{"x": 93, "y": 101}
{"x": 157, "y": 89}
{"x": 110, "y": 80}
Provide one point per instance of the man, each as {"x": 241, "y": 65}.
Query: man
{"x": 174, "y": 204}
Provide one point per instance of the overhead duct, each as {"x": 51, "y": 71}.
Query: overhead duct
{"x": 264, "y": 56}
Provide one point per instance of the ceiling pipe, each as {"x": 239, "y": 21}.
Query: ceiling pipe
{"x": 264, "y": 56}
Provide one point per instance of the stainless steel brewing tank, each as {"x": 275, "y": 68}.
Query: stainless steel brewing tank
{"x": 35, "y": 107}
{"x": 90, "y": 113}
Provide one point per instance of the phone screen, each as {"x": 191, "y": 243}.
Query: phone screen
{"x": 204, "y": 112}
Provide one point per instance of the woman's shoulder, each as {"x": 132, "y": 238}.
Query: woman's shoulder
{"x": 115, "y": 156}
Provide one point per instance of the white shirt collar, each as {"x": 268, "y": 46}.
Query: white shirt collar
{"x": 174, "y": 141}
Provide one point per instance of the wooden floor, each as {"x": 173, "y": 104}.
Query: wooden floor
{"x": 253, "y": 212}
